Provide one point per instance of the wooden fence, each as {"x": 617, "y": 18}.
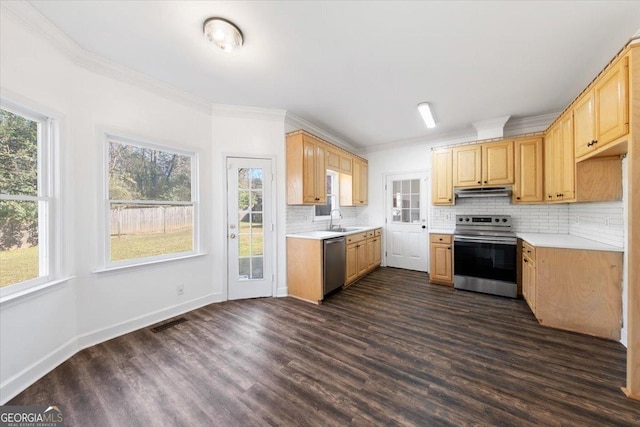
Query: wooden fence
{"x": 150, "y": 219}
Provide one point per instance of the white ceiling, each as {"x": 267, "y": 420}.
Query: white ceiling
{"x": 358, "y": 68}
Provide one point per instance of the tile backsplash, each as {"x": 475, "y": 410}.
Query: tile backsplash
{"x": 603, "y": 222}
{"x": 526, "y": 218}
{"x": 301, "y": 218}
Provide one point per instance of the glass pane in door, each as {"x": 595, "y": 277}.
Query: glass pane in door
{"x": 406, "y": 201}
{"x": 250, "y": 231}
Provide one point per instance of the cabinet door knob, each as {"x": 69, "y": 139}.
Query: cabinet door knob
{"x": 449, "y": 248}
{"x": 440, "y": 239}
{"x": 479, "y": 182}
{"x": 485, "y": 182}
{"x": 526, "y": 260}
{"x": 449, "y": 199}
{"x": 518, "y": 198}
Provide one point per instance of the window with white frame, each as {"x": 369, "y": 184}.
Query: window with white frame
{"x": 333, "y": 201}
{"x": 25, "y": 198}
{"x": 151, "y": 207}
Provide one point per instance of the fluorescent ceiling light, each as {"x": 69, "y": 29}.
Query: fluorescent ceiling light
{"x": 223, "y": 34}
{"x": 425, "y": 112}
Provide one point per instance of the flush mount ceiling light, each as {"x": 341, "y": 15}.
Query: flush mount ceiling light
{"x": 223, "y": 34}
{"x": 425, "y": 112}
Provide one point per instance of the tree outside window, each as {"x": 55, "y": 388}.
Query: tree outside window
{"x": 24, "y": 197}
{"x": 151, "y": 203}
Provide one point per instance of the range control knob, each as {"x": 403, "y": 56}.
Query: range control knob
{"x": 460, "y": 219}
{"x": 504, "y": 219}
{"x": 466, "y": 219}
{"x": 497, "y": 220}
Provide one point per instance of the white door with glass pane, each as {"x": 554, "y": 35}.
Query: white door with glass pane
{"x": 406, "y": 221}
{"x": 249, "y": 228}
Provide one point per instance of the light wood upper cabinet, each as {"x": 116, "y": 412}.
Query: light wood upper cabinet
{"x": 467, "y": 166}
{"x": 441, "y": 259}
{"x": 308, "y": 159}
{"x": 441, "y": 177}
{"x": 360, "y": 182}
{"x": 497, "y": 163}
{"x": 584, "y": 124}
{"x": 601, "y": 115}
{"x": 612, "y": 104}
{"x": 559, "y": 164}
{"x": 528, "y": 167}
{"x": 306, "y": 170}
{"x": 339, "y": 161}
{"x": 483, "y": 164}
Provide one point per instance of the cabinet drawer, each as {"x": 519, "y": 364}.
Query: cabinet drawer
{"x": 378, "y": 232}
{"x": 440, "y": 238}
{"x": 358, "y": 237}
{"x": 370, "y": 234}
{"x": 528, "y": 251}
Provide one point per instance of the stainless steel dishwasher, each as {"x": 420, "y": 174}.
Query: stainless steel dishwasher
{"x": 334, "y": 267}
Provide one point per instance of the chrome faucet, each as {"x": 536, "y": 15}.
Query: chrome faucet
{"x": 331, "y": 218}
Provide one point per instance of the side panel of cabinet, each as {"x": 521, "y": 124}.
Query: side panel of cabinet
{"x": 320, "y": 180}
{"x": 549, "y": 166}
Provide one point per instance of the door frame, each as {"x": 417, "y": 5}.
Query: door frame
{"x": 387, "y": 206}
{"x": 274, "y": 220}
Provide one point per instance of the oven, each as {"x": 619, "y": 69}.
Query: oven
{"x": 485, "y": 257}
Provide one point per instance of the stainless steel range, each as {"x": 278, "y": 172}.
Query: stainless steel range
{"x": 484, "y": 250}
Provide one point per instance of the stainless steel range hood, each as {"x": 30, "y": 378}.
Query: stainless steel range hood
{"x": 462, "y": 193}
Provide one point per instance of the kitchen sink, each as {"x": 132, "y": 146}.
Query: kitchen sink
{"x": 347, "y": 229}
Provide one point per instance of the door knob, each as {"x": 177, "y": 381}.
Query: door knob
{"x": 232, "y": 236}
{"x": 424, "y": 226}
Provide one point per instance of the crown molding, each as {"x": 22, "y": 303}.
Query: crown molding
{"x": 26, "y": 15}
{"x": 453, "y": 137}
{"x": 240, "y": 112}
{"x": 298, "y": 122}
{"x": 515, "y": 126}
{"x": 530, "y": 124}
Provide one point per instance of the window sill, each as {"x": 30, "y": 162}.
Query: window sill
{"x": 141, "y": 265}
{"x": 33, "y": 291}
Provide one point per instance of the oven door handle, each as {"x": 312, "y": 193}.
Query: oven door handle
{"x": 495, "y": 240}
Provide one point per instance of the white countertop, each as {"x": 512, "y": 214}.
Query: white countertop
{"x": 323, "y": 234}
{"x": 565, "y": 241}
{"x": 441, "y": 231}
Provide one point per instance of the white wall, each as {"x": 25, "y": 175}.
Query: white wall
{"x": 42, "y": 330}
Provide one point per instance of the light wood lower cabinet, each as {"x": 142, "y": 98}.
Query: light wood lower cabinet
{"x": 572, "y": 289}
{"x": 364, "y": 254}
{"x": 441, "y": 259}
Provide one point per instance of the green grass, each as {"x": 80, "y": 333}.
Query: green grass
{"x": 146, "y": 245}
{"x": 18, "y": 265}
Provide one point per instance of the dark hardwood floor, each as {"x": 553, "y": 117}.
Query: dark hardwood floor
{"x": 389, "y": 350}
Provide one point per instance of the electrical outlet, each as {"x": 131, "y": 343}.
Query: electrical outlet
{"x": 447, "y": 216}
{"x": 180, "y": 289}
{"x": 577, "y": 220}
{"x": 607, "y": 222}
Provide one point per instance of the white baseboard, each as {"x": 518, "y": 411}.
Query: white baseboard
{"x": 29, "y": 375}
{"x": 282, "y": 292}
{"x": 101, "y": 335}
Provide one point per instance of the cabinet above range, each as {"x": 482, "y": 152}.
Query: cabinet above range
{"x": 309, "y": 158}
